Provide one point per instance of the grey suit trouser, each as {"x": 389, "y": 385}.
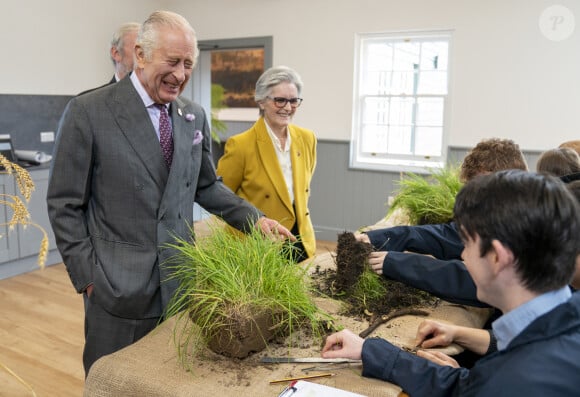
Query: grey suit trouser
{"x": 106, "y": 333}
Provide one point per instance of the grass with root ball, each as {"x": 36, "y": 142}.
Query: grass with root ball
{"x": 223, "y": 273}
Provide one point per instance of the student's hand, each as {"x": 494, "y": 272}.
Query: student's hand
{"x": 343, "y": 344}
{"x": 274, "y": 229}
{"x": 438, "y": 358}
{"x": 433, "y": 333}
{"x": 362, "y": 237}
{"x": 376, "y": 260}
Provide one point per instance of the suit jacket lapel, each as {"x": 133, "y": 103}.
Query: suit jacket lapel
{"x": 135, "y": 124}
{"x": 268, "y": 156}
{"x": 183, "y": 132}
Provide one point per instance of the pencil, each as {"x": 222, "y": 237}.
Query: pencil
{"x": 322, "y": 375}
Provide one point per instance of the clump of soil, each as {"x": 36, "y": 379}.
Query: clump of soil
{"x": 243, "y": 333}
{"x": 351, "y": 262}
{"x": 351, "y": 259}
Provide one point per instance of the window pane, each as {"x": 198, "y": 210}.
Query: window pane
{"x": 377, "y": 64}
{"x": 429, "y": 111}
{"x": 376, "y": 83}
{"x": 375, "y": 110}
{"x": 433, "y": 72}
{"x": 428, "y": 141}
{"x": 432, "y": 83}
{"x": 379, "y": 56}
{"x": 374, "y": 139}
{"x": 406, "y": 56}
{"x": 400, "y": 140}
{"x": 434, "y": 55}
{"x": 401, "y": 112}
{"x": 403, "y": 83}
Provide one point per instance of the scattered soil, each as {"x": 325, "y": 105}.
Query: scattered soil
{"x": 351, "y": 261}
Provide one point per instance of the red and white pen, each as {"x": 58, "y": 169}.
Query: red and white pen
{"x": 288, "y": 390}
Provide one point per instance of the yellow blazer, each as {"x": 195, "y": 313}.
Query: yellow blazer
{"x": 251, "y": 169}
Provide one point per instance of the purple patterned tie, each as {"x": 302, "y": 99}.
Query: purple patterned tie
{"x": 165, "y": 136}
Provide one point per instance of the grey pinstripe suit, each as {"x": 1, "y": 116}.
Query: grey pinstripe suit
{"x": 113, "y": 204}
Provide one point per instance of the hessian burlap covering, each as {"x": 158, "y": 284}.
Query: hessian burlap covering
{"x": 150, "y": 367}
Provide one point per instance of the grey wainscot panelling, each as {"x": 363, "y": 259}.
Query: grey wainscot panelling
{"x": 345, "y": 199}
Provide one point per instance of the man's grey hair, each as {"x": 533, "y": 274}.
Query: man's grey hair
{"x": 119, "y": 36}
{"x": 147, "y": 38}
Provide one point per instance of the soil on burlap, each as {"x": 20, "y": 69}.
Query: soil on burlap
{"x": 351, "y": 261}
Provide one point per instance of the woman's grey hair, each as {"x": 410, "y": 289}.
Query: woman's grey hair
{"x": 118, "y": 39}
{"x": 272, "y": 77}
{"x": 147, "y": 38}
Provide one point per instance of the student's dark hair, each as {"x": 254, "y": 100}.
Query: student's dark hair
{"x": 559, "y": 162}
{"x": 534, "y": 215}
{"x": 574, "y": 187}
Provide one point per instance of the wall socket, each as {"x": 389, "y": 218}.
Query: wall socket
{"x": 47, "y": 136}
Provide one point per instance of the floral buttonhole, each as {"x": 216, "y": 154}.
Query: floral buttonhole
{"x": 197, "y": 137}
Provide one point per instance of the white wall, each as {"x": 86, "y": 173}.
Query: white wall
{"x": 61, "y": 47}
{"x": 508, "y": 80}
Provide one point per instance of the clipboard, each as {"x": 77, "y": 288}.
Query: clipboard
{"x": 302, "y": 388}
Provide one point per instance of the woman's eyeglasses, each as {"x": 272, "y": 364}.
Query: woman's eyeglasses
{"x": 281, "y": 102}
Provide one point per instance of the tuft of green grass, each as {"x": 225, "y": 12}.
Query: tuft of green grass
{"x": 225, "y": 276}
{"x": 428, "y": 200}
{"x": 368, "y": 288}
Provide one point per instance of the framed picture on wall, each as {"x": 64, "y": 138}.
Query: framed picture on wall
{"x": 234, "y": 73}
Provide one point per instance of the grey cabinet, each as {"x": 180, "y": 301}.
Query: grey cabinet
{"x": 8, "y": 238}
{"x": 29, "y": 237}
{"x": 19, "y": 247}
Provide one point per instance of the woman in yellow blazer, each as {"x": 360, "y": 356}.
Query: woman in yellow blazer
{"x": 271, "y": 164}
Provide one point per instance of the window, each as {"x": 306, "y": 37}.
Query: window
{"x": 400, "y": 100}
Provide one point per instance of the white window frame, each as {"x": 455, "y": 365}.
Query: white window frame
{"x": 389, "y": 161}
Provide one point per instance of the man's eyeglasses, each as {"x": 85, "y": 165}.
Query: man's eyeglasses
{"x": 280, "y": 102}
